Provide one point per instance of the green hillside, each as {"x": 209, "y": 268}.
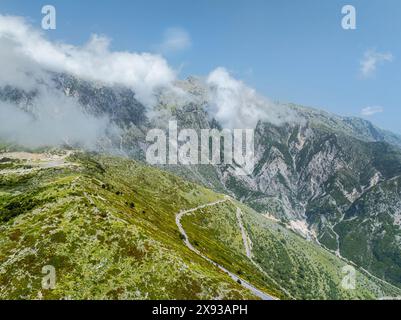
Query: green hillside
{"x": 301, "y": 268}
{"x": 108, "y": 227}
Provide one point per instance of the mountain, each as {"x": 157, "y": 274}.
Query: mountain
{"x": 331, "y": 179}
{"x": 108, "y": 226}
{"x": 328, "y": 177}
{"x": 324, "y": 178}
{"x": 352, "y": 126}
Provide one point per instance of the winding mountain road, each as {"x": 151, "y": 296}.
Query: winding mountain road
{"x": 244, "y": 283}
{"x": 244, "y": 235}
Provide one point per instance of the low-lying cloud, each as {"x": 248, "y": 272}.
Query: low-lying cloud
{"x": 28, "y": 60}
{"x": 142, "y": 72}
{"x": 235, "y": 105}
{"x": 370, "y": 111}
{"x": 52, "y": 119}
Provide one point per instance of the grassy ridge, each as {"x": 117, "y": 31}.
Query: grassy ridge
{"x": 107, "y": 226}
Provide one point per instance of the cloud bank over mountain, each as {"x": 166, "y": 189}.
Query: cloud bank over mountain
{"x": 370, "y": 111}
{"x": 28, "y": 60}
{"x": 53, "y": 119}
{"x": 235, "y": 105}
{"x": 143, "y": 72}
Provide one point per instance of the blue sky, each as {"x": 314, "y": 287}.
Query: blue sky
{"x": 290, "y": 51}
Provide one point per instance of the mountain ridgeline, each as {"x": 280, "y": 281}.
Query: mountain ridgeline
{"x": 108, "y": 227}
{"x": 333, "y": 180}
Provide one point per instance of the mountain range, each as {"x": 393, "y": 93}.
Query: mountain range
{"x": 324, "y": 194}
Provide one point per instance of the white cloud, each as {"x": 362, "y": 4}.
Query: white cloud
{"x": 54, "y": 119}
{"x": 370, "y": 111}
{"x": 237, "y": 106}
{"x": 175, "y": 39}
{"x": 372, "y": 59}
{"x": 26, "y": 56}
{"x": 143, "y": 72}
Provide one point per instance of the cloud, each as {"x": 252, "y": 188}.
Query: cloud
{"x": 53, "y": 119}
{"x": 371, "y": 60}
{"x": 27, "y": 60}
{"x": 143, "y": 72}
{"x": 370, "y": 111}
{"x": 175, "y": 39}
{"x": 237, "y": 106}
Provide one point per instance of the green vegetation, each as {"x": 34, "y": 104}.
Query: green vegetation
{"x": 289, "y": 263}
{"x": 371, "y": 232}
{"x": 108, "y": 227}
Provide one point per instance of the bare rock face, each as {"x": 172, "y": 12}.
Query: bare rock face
{"x": 336, "y": 179}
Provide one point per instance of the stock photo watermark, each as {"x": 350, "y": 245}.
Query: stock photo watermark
{"x": 215, "y": 147}
{"x": 349, "y": 280}
{"x": 49, "y": 278}
{"x": 49, "y": 20}
{"x": 348, "y": 22}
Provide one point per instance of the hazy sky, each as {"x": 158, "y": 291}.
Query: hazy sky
{"x": 288, "y": 50}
